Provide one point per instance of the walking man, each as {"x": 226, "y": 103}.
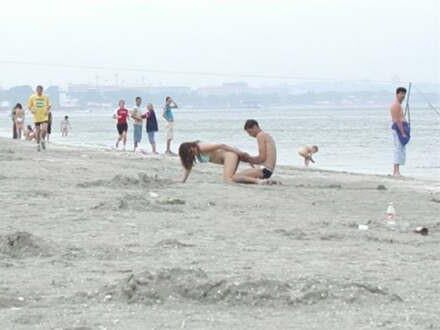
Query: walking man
{"x": 39, "y": 106}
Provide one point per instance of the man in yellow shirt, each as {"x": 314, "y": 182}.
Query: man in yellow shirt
{"x": 39, "y": 106}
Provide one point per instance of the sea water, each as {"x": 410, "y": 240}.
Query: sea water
{"x": 354, "y": 139}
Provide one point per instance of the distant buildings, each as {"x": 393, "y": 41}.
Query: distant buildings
{"x": 227, "y": 95}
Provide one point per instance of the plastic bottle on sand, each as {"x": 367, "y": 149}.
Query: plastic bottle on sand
{"x": 391, "y": 212}
{"x": 391, "y": 216}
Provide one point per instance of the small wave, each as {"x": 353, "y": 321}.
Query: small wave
{"x": 24, "y": 244}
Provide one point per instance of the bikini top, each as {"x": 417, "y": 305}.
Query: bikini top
{"x": 202, "y": 158}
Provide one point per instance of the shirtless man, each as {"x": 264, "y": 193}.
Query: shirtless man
{"x": 307, "y": 152}
{"x": 397, "y": 118}
{"x": 266, "y": 159}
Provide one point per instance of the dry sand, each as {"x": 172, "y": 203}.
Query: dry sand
{"x": 104, "y": 240}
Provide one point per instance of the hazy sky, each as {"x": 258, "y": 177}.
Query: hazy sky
{"x": 341, "y": 39}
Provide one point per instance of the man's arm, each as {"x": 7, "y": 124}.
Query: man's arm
{"x": 30, "y": 104}
{"x": 262, "y": 154}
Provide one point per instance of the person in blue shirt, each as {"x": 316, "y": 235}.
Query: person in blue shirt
{"x": 169, "y": 118}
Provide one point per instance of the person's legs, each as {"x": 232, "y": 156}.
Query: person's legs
{"x": 38, "y": 135}
{"x": 306, "y": 162}
{"x": 119, "y": 128}
{"x": 19, "y": 131}
{"x": 252, "y": 175}
{"x": 48, "y": 131}
{"x": 230, "y": 165}
{"x": 136, "y": 138}
{"x": 396, "y": 171}
{"x": 399, "y": 154}
{"x": 152, "y": 141}
{"x": 43, "y": 130}
{"x": 124, "y": 138}
{"x": 170, "y": 136}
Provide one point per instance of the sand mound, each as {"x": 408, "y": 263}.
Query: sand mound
{"x": 297, "y": 234}
{"x": 195, "y": 285}
{"x": 24, "y": 244}
{"x": 172, "y": 244}
{"x": 141, "y": 203}
{"x": 143, "y": 180}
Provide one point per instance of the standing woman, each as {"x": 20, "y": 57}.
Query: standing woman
{"x": 19, "y": 120}
{"x": 152, "y": 126}
{"x": 169, "y": 118}
{"x": 121, "y": 116}
{"x": 14, "y": 126}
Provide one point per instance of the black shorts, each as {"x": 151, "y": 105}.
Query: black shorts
{"x": 49, "y": 128}
{"x": 39, "y": 123}
{"x": 122, "y": 128}
{"x": 266, "y": 173}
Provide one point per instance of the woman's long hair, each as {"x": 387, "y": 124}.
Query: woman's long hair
{"x": 187, "y": 156}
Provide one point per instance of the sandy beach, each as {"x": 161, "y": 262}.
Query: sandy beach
{"x": 94, "y": 239}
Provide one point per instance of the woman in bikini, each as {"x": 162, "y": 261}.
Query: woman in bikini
{"x": 221, "y": 154}
{"x": 19, "y": 120}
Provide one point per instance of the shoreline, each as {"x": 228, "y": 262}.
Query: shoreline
{"x": 431, "y": 183}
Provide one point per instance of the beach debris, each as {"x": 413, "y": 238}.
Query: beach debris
{"x": 172, "y": 244}
{"x": 23, "y": 244}
{"x": 123, "y": 204}
{"x": 153, "y": 194}
{"x": 391, "y": 212}
{"x": 173, "y": 201}
{"x": 381, "y": 187}
{"x": 363, "y": 227}
{"x": 421, "y": 230}
{"x": 295, "y": 233}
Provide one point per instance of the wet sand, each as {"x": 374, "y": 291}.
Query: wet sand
{"x": 95, "y": 239}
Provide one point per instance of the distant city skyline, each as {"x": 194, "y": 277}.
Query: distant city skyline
{"x": 226, "y": 95}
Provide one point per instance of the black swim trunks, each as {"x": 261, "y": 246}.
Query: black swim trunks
{"x": 122, "y": 128}
{"x": 266, "y": 173}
